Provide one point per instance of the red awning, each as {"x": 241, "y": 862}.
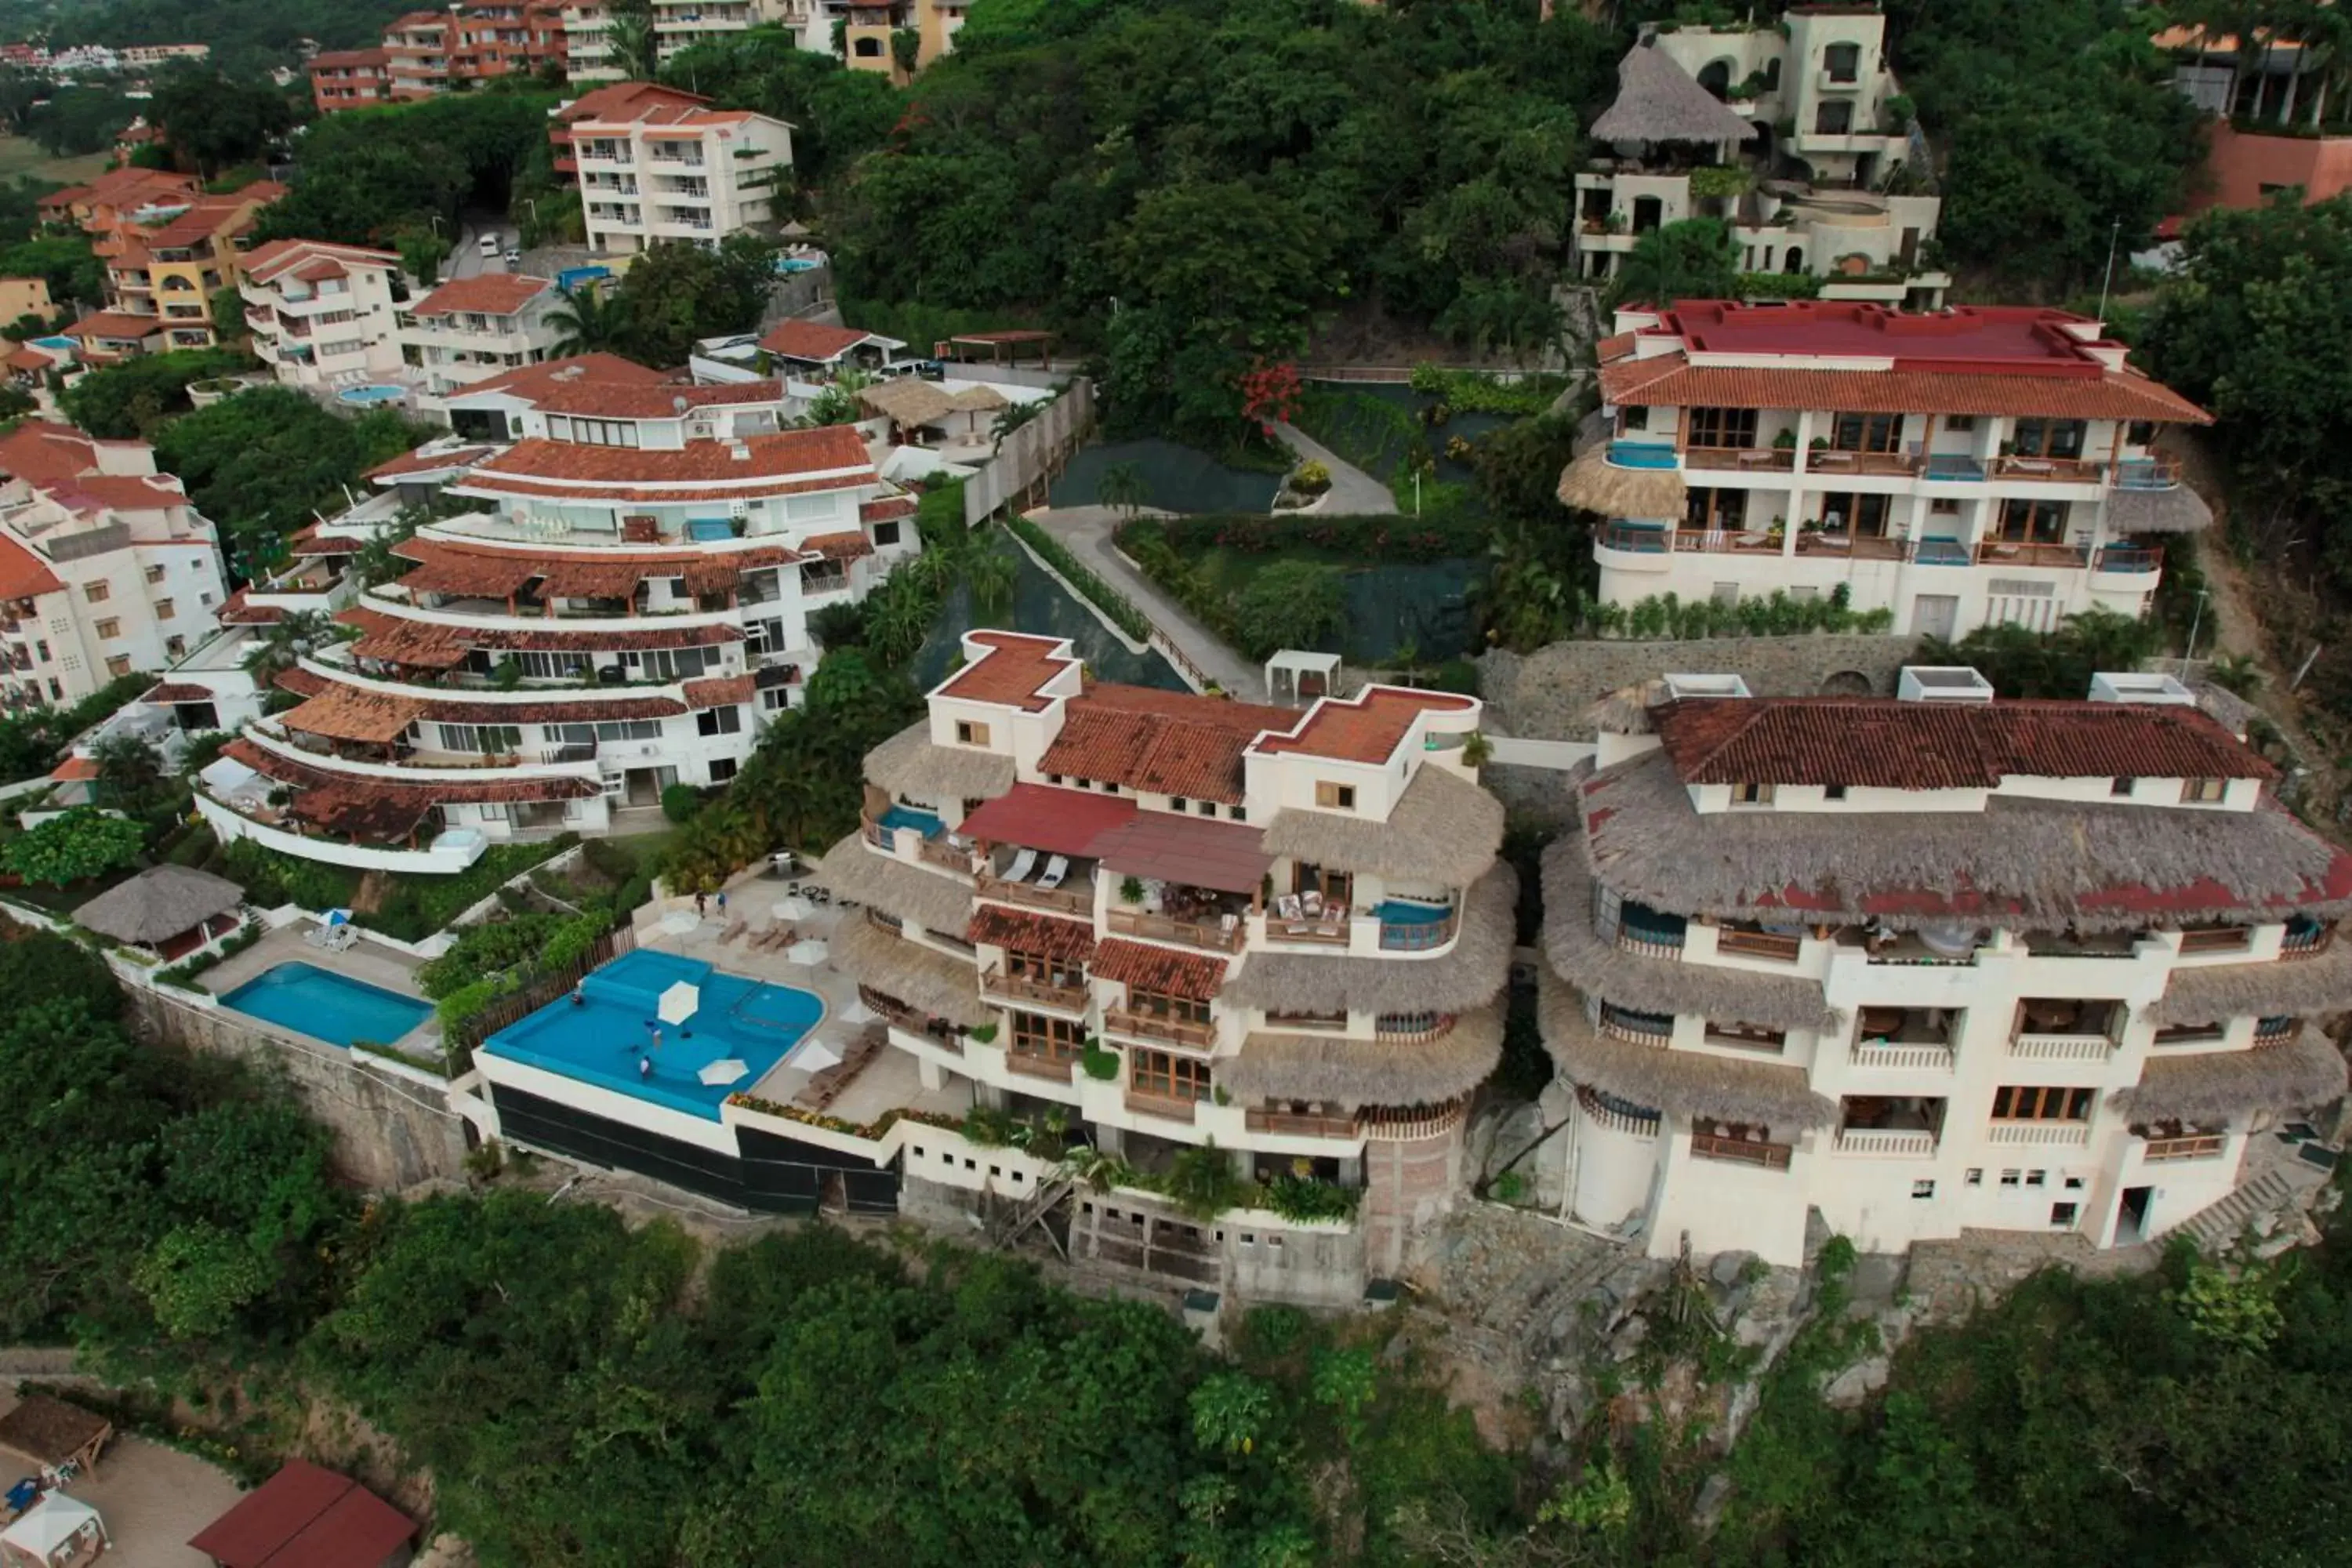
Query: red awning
{"x": 1193, "y": 851}
{"x": 1058, "y": 821}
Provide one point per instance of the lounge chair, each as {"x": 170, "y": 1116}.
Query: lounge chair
{"x": 735, "y": 928}
{"x": 1023, "y": 864}
{"x": 1288, "y": 906}
{"x": 1311, "y": 901}
{"x": 1056, "y": 870}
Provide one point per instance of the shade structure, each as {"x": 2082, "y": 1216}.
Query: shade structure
{"x": 1592, "y": 483}
{"x": 795, "y": 909}
{"x": 724, "y": 1071}
{"x": 810, "y": 951}
{"x": 679, "y": 921}
{"x": 51, "y": 1527}
{"x": 1226, "y": 857}
{"x": 678, "y": 1004}
{"x": 858, "y": 1013}
{"x": 1058, "y": 821}
{"x": 814, "y": 1055}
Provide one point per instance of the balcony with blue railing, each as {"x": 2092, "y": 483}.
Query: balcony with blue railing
{"x": 1641, "y": 929}
{"x": 2135, "y": 558}
{"x": 2147, "y": 474}
{"x": 1943, "y": 552}
{"x": 1642, "y": 454}
{"x": 1952, "y": 466}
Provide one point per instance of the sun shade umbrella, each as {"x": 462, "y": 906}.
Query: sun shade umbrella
{"x": 795, "y": 909}
{"x": 815, "y": 1056}
{"x": 726, "y": 1070}
{"x": 805, "y": 952}
{"x": 679, "y": 922}
{"x": 858, "y": 1013}
{"x": 678, "y": 1004}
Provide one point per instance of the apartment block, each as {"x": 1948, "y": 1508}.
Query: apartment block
{"x": 322, "y": 315}
{"x": 658, "y": 172}
{"x": 169, "y": 251}
{"x": 1792, "y": 133}
{"x": 351, "y": 78}
{"x": 680, "y": 25}
{"x": 867, "y": 25}
{"x": 623, "y": 611}
{"x": 472, "y": 329}
{"x": 105, "y": 568}
{"x": 1948, "y": 964}
{"x": 1972, "y": 465}
{"x": 615, "y": 100}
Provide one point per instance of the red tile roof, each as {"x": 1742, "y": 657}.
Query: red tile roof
{"x": 1013, "y": 672}
{"x": 1017, "y": 931}
{"x": 850, "y": 546}
{"x": 334, "y": 58}
{"x": 419, "y": 463}
{"x": 1365, "y": 728}
{"x": 74, "y": 770}
{"x": 432, "y": 644}
{"x": 583, "y": 708}
{"x": 1039, "y": 817}
{"x": 813, "y": 341}
{"x": 23, "y": 574}
{"x": 127, "y": 492}
{"x": 1886, "y": 745}
{"x": 237, "y": 611}
{"x": 118, "y": 325}
{"x": 42, "y": 451}
{"x": 1163, "y": 742}
{"x": 172, "y": 691}
{"x": 620, "y": 100}
{"x": 878, "y": 511}
{"x": 661, "y": 400}
{"x": 445, "y": 787}
{"x": 528, "y": 382}
{"x": 833, "y": 450}
{"x": 1138, "y": 965}
{"x": 1667, "y": 381}
{"x": 266, "y": 263}
{"x": 489, "y": 294}
{"x": 720, "y": 691}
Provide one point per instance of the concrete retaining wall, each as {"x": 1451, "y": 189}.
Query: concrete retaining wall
{"x": 1546, "y": 695}
{"x": 1032, "y": 453}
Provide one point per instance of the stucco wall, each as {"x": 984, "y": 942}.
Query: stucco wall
{"x": 1546, "y": 695}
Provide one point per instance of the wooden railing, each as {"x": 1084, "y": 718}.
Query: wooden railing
{"x": 1832, "y": 461}
{"x": 1852, "y": 546}
{"x": 1021, "y": 988}
{"x": 947, "y": 857}
{"x": 1747, "y": 1037}
{"x": 1295, "y": 1124}
{"x": 2268, "y": 1033}
{"x": 2306, "y": 943}
{"x": 1078, "y": 900}
{"x": 2049, "y": 470}
{"x": 912, "y": 1020}
{"x": 1160, "y": 1106}
{"x": 1758, "y": 944}
{"x": 1209, "y": 934}
{"x": 2195, "y": 1146}
{"x": 1740, "y": 1151}
{"x": 1635, "y": 1027}
{"x": 2217, "y": 939}
{"x": 1057, "y": 1069}
{"x": 2018, "y": 553}
{"x": 1746, "y": 459}
{"x": 1160, "y": 1029}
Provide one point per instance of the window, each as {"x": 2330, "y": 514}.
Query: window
{"x": 2009, "y": 1178}
{"x": 1975, "y": 1177}
{"x": 2037, "y": 1178}
{"x": 1722, "y": 428}
{"x": 154, "y": 573}
{"x": 109, "y": 629}
{"x": 2062, "y": 1214}
{"x": 2047, "y": 439}
{"x": 1751, "y": 795}
{"x": 1176, "y": 803}
{"x": 165, "y": 609}
{"x": 722, "y": 770}
{"x": 116, "y": 668}
{"x": 1833, "y": 791}
{"x": 1708, "y": 508}
{"x": 1237, "y": 812}
{"x": 600, "y": 432}
{"x": 726, "y": 720}
{"x": 868, "y": 48}
{"x": 1866, "y": 515}
{"x": 2041, "y": 1102}
{"x": 1833, "y": 119}
{"x": 490, "y": 740}
{"x": 2032, "y": 522}
{"x": 1205, "y": 808}
{"x": 812, "y": 508}
{"x": 1867, "y": 433}
{"x": 1960, "y": 421}
{"x": 2121, "y": 787}
{"x": 1168, "y": 1076}
{"x": 95, "y": 593}
{"x": 2139, "y": 432}
{"x": 2204, "y": 791}
{"x": 1923, "y": 1189}
{"x": 1633, "y": 419}
{"x": 41, "y": 649}
{"x": 1160, "y": 1005}
{"x": 175, "y": 647}
{"x": 886, "y": 534}
{"x": 1843, "y": 61}
{"x": 1054, "y": 1040}
{"x": 1335, "y": 797}
{"x": 971, "y": 732}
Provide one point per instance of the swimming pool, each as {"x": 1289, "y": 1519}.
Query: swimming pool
{"x": 926, "y": 823}
{"x": 368, "y": 395}
{"x": 599, "y": 1038}
{"x": 1395, "y": 913}
{"x": 328, "y": 1006}
{"x": 63, "y": 345}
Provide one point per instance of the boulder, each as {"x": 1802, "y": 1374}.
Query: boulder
{"x": 1728, "y": 1267}
{"x": 1857, "y": 1383}
{"x": 1714, "y": 1497}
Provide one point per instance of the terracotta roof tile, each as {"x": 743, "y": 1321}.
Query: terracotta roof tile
{"x": 662, "y": 400}
{"x": 882, "y": 509}
{"x": 1669, "y": 381}
{"x": 529, "y": 381}
{"x": 1014, "y": 672}
{"x": 354, "y": 713}
{"x": 236, "y": 610}
{"x": 1044, "y": 936}
{"x": 420, "y": 462}
{"x": 489, "y": 294}
{"x": 23, "y": 574}
{"x": 790, "y": 454}
{"x": 719, "y": 691}
{"x": 850, "y": 546}
{"x": 1143, "y": 967}
{"x": 1886, "y": 744}
{"x": 1184, "y": 748}
{"x": 813, "y": 341}
{"x": 122, "y": 325}
{"x": 430, "y": 644}
{"x": 1366, "y": 727}
{"x": 172, "y": 691}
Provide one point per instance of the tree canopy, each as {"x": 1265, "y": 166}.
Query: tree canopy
{"x": 371, "y": 176}
{"x": 213, "y": 122}
{"x": 678, "y": 292}
{"x": 128, "y": 401}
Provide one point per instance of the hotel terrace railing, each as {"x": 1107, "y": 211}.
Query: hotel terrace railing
{"x": 1188, "y": 1033}
{"x": 2189, "y": 1035}
{"x": 1900, "y": 1054}
{"x": 1021, "y": 988}
{"x": 1886, "y": 1143}
{"x": 1641, "y": 1028}
{"x": 1740, "y": 1151}
{"x": 912, "y": 1020}
{"x": 1298, "y": 1124}
{"x": 2070, "y": 1134}
{"x": 1411, "y": 1028}
{"x": 1056, "y": 1070}
{"x": 1066, "y": 901}
{"x": 1745, "y": 459}
{"x": 2216, "y": 938}
{"x": 2147, "y": 474}
{"x": 1213, "y": 935}
{"x": 1853, "y": 546}
{"x": 2018, "y": 553}
{"x": 1613, "y": 1116}
{"x": 1758, "y": 944}
{"x": 2055, "y": 1046}
{"x": 1164, "y": 1107}
{"x": 2187, "y": 1146}
{"x": 2270, "y": 1032}
{"x": 1747, "y": 1037}
{"x": 2309, "y": 943}
{"x": 1834, "y": 461}
{"x": 1405, "y": 936}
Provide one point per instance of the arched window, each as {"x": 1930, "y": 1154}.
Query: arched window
{"x": 1795, "y": 263}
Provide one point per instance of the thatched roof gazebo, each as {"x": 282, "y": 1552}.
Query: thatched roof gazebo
{"x": 53, "y": 1433}
{"x": 2176, "y": 510}
{"x": 1592, "y": 483}
{"x": 163, "y": 907}
{"x": 909, "y": 764}
{"x": 1657, "y": 101}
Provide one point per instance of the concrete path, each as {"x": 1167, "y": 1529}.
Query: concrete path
{"x": 1354, "y": 493}
{"x": 1086, "y": 530}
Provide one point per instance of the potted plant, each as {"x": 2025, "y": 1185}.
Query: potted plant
{"x": 1818, "y": 444}
{"x": 1131, "y": 889}
{"x": 1786, "y": 441}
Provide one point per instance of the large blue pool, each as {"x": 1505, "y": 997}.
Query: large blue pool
{"x": 926, "y": 823}
{"x": 599, "y": 1038}
{"x": 371, "y": 394}
{"x": 328, "y": 1006}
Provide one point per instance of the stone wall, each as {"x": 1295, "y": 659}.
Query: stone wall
{"x": 1546, "y": 695}
{"x": 389, "y": 1133}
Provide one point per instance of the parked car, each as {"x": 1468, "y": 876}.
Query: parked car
{"x": 491, "y": 246}
{"x": 514, "y": 258}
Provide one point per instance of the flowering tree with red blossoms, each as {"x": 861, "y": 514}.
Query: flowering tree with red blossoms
{"x": 1269, "y": 395}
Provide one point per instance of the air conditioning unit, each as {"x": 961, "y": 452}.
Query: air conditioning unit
{"x": 739, "y": 509}
{"x": 1942, "y": 683}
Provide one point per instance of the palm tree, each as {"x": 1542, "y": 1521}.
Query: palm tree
{"x": 130, "y": 772}
{"x": 296, "y": 632}
{"x": 636, "y": 48}
{"x": 1124, "y": 488}
{"x": 586, "y": 322}
{"x": 991, "y": 573}
{"x": 1013, "y": 418}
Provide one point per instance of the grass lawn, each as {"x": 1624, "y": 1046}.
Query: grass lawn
{"x": 22, "y": 156}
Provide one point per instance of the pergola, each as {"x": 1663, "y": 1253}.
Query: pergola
{"x": 997, "y": 348}
{"x": 55, "y": 1435}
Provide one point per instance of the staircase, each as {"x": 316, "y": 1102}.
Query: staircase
{"x": 2220, "y": 1222}
{"x": 1033, "y": 1212}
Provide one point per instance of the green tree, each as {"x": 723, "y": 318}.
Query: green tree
{"x": 629, "y": 35}
{"x": 213, "y": 123}
{"x": 1230, "y": 1413}
{"x": 1693, "y": 259}
{"x": 586, "y": 322}
{"x": 1291, "y": 604}
{"x": 65, "y": 262}
{"x": 127, "y": 401}
{"x": 1123, "y": 488}
{"x": 129, "y": 772}
{"x": 72, "y": 846}
{"x": 678, "y": 293}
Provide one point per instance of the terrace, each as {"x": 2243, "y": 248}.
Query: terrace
{"x": 1889, "y": 1128}
{"x": 2065, "y": 1030}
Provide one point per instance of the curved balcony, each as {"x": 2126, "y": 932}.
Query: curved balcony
{"x": 2130, "y": 561}
{"x": 1621, "y": 1116}
{"x": 1634, "y": 547}
{"x": 1654, "y": 933}
{"x": 2147, "y": 474}
{"x": 280, "y": 744}
{"x": 1638, "y": 1029}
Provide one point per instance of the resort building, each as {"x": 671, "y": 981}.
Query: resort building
{"x": 661, "y": 170}
{"x": 1990, "y": 465}
{"x": 1947, "y": 963}
{"x": 867, "y": 27}
{"x": 1176, "y": 922}
{"x": 472, "y": 329}
{"x": 616, "y": 101}
{"x": 622, "y": 613}
{"x": 1794, "y": 134}
{"x": 22, "y": 297}
{"x": 429, "y": 52}
{"x": 351, "y": 78}
{"x": 115, "y": 195}
{"x": 170, "y": 257}
{"x": 322, "y": 315}
{"x": 104, "y": 566}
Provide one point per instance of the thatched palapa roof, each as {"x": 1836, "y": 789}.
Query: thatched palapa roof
{"x": 1467, "y": 976}
{"x": 1579, "y": 954}
{"x": 1444, "y": 830}
{"x": 909, "y": 401}
{"x": 159, "y": 904}
{"x": 1626, "y": 710}
{"x": 1657, "y": 101}
{"x": 1358, "y": 1072}
{"x": 2019, "y": 862}
{"x": 2176, "y": 510}
{"x": 932, "y": 900}
{"x": 2300, "y": 988}
{"x": 2217, "y": 1086}
{"x": 1675, "y": 1083}
{"x": 48, "y": 1431}
{"x": 1592, "y": 482}
{"x": 936, "y": 983}
{"x": 910, "y": 763}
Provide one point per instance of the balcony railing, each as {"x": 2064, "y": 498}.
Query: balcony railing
{"x": 1834, "y": 460}
{"x": 2216, "y": 938}
{"x": 1641, "y": 1028}
{"x": 1886, "y": 1143}
{"x": 1297, "y": 1124}
{"x": 2041, "y": 1048}
{"x": 1852, "y": 546}
{"x": 1740, "y": 1151}
{"x": 946, "y": 856}
{"x": 2068, "y": 1134}
{"x": 1890, "y": 1054}
{"x": 1021, "y": 988}
{"x": 1615, "y": 1116}
{"x": 1748, "y": 1038}
{"x": 1164, "y": 1107}
{"x": 1419, "y": 936}
{"x": 2147, "y": 474}
{"x": 2194, "y": 1146}
{"x": 1160, "y": 1029}
{"x": 1743, "y": 460}
{"x": 2305, "y": 943}
{"x": 2270, "y": 1032}
{"x": 1217, "y": 936}
{"x": 2017, "y": 553}
{"x": 1078, "y": 900}
{"x": 1759, "y": 944}
{"x": 1056, "y": 1069}
{"x": 914, "y": 1021}
{"x": 2049, "y": 470}
{"x": 2128, "y": 558}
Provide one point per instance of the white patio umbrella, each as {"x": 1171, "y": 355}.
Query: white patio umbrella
{"x": 809, "y": 952}
{"x": 815, "y": 1056}
{"x": 678, "y": 1004}
{"x": 726, "y": 1070}
{"x": 679, "y": 921}
{"x": 795, "y": 909}
{"x": 857, "y": 1011}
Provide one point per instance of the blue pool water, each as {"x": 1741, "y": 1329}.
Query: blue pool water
{"x": 795, "y": 264}
{"x": 66, "y": 345}
{"x": 1641, "y": 454}
{"x": 328, "y": 1006}
{"x": 703, "y": 530}
{"x": 926, "y": 823}
{"x": 1395, "y": 913}
{"x": 371, "y": 394}
{"x": 599, "y": 1039}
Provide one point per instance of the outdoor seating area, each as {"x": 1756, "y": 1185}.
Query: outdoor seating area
{"x": 1308, "y": 916}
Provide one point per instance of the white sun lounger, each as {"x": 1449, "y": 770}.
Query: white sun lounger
{"x": 1056, "y": 870}
{"x": 1023, "y": 864}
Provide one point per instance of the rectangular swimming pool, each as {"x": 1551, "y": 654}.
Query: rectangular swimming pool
{"x": 599, "y": 1038}
{"x": 328, "y": 1006}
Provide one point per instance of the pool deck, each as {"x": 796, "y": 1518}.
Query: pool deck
{"x": 363, "y": 960}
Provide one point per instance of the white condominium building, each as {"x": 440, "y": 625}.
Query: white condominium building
{"x": 320, "y": 314}
{"x": 1176, "y": 920}
{"x": 1982, "y": 465}
{"x": 472, "y": 329}
{"x": 105, "y": 567}
{"x": 1931, "y": 963}
{"x": 663, "y": 170}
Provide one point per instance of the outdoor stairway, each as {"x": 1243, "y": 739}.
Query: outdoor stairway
{"x": 1033, "y": 1212}
{"x": 2220, "y": 1222}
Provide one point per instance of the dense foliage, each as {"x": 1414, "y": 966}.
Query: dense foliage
{"x": 72, "y": 846}
{"x": 676, "y": 293}
{"x": 377, "y": 176}
{"x": 214, "y": 123}
{"x": 246, "y": 35}
{"x": 34, "y": 739}
{"x": 127, "y": 401}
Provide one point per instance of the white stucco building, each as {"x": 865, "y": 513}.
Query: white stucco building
{"x": 1984, "y": 463}
{"x": 320, "y": 314}
{"x": 662, "y": 171}
{"x": 471, "y": 329}
{"x": 1945, "y": 962}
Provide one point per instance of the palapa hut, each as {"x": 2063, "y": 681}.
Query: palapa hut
{"x": 2179, "y": 509}
{"x": 1592, "y": 483}
{"x": 54, "y": 1434}
{"x": 169, "y": 910}
{"x": 911, "y": 766}
{"x": 1658, "y": 103}
{"x": 915, "y": 406}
